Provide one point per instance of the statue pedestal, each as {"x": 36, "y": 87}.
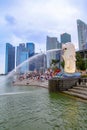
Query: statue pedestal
{"x": 72, "y": 75}
{"x": 63, "y": 81}
{"x": 61, "y": 84}
{"x": 68, "y": 75}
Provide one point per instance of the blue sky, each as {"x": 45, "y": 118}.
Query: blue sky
{"x": 32, "y": 20}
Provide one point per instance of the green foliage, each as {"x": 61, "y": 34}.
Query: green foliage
{"x": 80, "y": 63}
{"x": 86, "y": 63}
{"x": 62, "y": 63}
{"x": 54, "y": 63}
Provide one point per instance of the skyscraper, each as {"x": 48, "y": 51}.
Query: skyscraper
{"x": 53, "y": 49}
{"x": 21, "y": 56}
{"x": 25, "y": 67}
{"x": 38, "y": 63}
{"x": 51, "y": 43}
{"x": 9, "y": 58}
{"x": 65, "y": 37}
{"x": 20, "y": 49}
{"x": 31, "y": 48}
{"x": 82, "y": 34}
{"x": 55, "y": 54}
{"x": 2, "y": 58}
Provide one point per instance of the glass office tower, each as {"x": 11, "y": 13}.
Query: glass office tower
{"x": 51, "y": 43}
{"x": 56, "y": 55}
{"x": 20, "y": 49}
{"x": 82, "y": 34}
{"x": 65, "y": 37}
{"x": 21, "y": 56}
{"x": 31, "y": 48}
{"x": 9, "y": 58}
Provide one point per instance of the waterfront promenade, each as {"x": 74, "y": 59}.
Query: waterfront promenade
{"x": 32, "y": 82}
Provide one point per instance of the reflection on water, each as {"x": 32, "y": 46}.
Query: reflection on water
{"x": 33, "y": 108}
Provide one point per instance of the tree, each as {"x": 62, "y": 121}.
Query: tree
{"x": 86, "y": 63}
{"x": 62, "y": 63}
{"x": 54, "y": 63}
{"x": 80, "y": 63}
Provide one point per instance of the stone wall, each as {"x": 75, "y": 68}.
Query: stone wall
{"x": 63, "y": 84}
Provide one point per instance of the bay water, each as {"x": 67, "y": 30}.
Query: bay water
{"x": 34, "y": 108}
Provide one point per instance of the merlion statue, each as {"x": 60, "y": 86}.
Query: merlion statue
{"x": 69, "y": 57}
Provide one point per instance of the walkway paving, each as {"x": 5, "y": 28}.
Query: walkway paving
{"x": 32, "y": 82}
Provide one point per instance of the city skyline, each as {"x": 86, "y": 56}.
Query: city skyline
{"x": 23, "y": 21}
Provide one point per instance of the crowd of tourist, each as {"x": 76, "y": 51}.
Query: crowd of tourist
{"x": 36, "y": 75}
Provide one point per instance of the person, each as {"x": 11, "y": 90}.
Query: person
{"x": 79, "y": 81}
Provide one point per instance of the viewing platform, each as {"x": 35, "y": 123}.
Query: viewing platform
{"x": 31, "y": 82}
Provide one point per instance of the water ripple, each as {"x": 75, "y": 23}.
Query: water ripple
{"x": 36, "y": 109}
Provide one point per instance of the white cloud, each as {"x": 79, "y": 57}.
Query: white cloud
{"x": 42, "y": 17}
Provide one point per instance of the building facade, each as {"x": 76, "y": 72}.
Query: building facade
{"x": 85, "y": 46}
{"x": 52, "y": 43}
{"x": 65, "y": 37}
{"x": 38, "y": 62}
{"x": 25, "y": 66}
{"x": 9, "y": 58}
{"x": 22, "y": 55}
{"x": 20, "y": 48}
{"x": 53, "y": 54}
{"x": 31, "y": 48}
{"x": 82, "y": 34}
{"x": 53, "y": 48}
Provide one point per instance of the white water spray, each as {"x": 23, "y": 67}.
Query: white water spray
{"x": 29, "y": 60}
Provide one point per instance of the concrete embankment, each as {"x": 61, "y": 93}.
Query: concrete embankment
{"x": 31, "y": 82}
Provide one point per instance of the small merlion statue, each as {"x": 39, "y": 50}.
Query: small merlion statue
{"x": 69, "y": 57}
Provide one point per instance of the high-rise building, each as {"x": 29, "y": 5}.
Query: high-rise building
{"x": 21, "y": 56}
{"x": 38, "y": 63}
{"x": 20, "y": 48}
{"x": 51, "y": 43}
{"x": 55, "y": 54}
{"x": 82, "y": 34}
{"x": 9, "y": 58}
{"x": 23, "y": 53}
{"x": 85, "y": 46}
{"x": 53, "y": 50}
{"x": 31, "y": 48}
{"x": 25, "y": 67}
{"x": 2, "y": 58}
{"x": 65, "y": 37}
